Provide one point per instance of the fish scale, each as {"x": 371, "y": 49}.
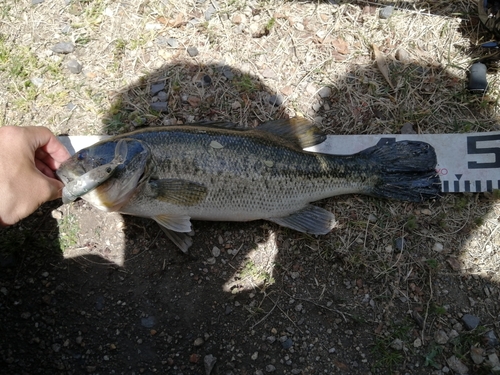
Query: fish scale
{"x": 216, "y": 172}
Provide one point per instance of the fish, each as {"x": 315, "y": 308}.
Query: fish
{"x": 219, "y": 172}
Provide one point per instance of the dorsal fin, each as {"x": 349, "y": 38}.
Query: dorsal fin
{"x": 297, "y": 130}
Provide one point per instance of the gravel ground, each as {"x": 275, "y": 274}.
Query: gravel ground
{"x": 396, "y": 288}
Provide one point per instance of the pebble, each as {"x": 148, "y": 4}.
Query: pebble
{"x": 271, "y": 339}
{"x": 386, "y": 12}
{"x": 470, "y": 321}
{"x": 161, "y": 107}
{"x": 215, "y": 251}
{"x": 408, "y": 129}
{"x": 74, "y": 66}
{"x": 203, "y": 81}
{"x": 37, "y": 81}
{"x": 270, "y": 368}
{"x": 192, "y": 51}
{"x": 227, "y": 72}
{"x": 493, "y": 360}
{"x": 57, "y": 214}
{"x": 148, "y": 322}
{"x": 325, "y": 92}
{"x": 209, "y": 362}
{"x": 397, "y": 344}
{"x": 210, "y": 12}
{"x": 254, "y": 356}
{"x": 162, "y": 96}
{"x": 457, "y": 366}
{"x": 63, "y": 47}
{"x": 372, "y": 218}
{"x": 198, "y": 342}
{"x": 287, "y": 344}
{"x": 402, "y": 55}
{"x": 417, "y": 343}
{"x": 172, "y": 42}
{"x": 441, "y": 337}
{"x": 477, "y": 355}
{"x": 438, "y": 247}
{"x": 276, "y": 100}
{"x": 490, "y": 340}
{"x": 156, "y": 87}
{"x": 399, "y": 243}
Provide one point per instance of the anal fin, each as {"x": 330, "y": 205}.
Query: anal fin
{"x": 312, "y": 220}
{"x": 182, "y": 240}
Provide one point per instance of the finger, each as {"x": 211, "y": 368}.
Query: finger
{"x": 55, "y": 152}
{"x": 44, "y": 168}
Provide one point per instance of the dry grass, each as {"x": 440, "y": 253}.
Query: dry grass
{"x": 292, "y": 49}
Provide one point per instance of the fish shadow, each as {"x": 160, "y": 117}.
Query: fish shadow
{"x": 243, "y": 288}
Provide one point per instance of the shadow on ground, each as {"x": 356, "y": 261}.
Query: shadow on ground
{"x": 82, "y": 291}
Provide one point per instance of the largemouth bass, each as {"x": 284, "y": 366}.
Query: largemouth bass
{"x": 221, "y": 173}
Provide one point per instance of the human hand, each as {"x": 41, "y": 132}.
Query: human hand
{"x": 28, "y": 158}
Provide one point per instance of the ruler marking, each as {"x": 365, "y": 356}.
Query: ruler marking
{"x": 467, "y": 186}
{"x": 489, "y": 185}
{"x": 456, "y": 186}
{"x": 478, "y": 186}
{"x": 446, "y": 186}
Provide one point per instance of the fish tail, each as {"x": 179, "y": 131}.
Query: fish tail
{"x": 407, "y": 171}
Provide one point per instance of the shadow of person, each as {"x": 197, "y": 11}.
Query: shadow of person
{"x": 119, "y": 297}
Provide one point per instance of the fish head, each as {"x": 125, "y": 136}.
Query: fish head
{"x": 132, "y": 167}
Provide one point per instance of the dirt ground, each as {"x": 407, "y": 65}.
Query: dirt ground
{"x": 396, "y": 288}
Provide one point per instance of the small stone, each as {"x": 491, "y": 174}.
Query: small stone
{"x": 397, "y": 344}
{"x": 209, "y": 362}
{"x": 270, "y": 368}
{"x": 63, "y": 47}
{"x": 192, "y": 51}
{"x": 271, "y": 339}
{"x": 493, "y": 360}
{"x": 276, "y": 100}
{"x": 408, "y": 129}
{"x": 227, "y": 72}
{"x": 161, "y": 107}
{"x": 372, "y": 218}
{"x": 457, "y": 366}
{"x": 4, "y": 291}
{"x": 399, "y": 243}
{"x": 148, "y": 322}
{"x": 238, "y": 19}
{"x": 194, "y": 358}
{"x": 438, "y": 247}
{"x": 254, "y": 356}
{"x": 74, "y": 66}
{"x": 417, "y": 343}
{"x": 210, "y": 12}
{"x": 162, "y": 96}
{"x": 236, "y": 105}
{"x": 215, "y": 251}
{"x": 156, "y": 87}
{"x": 470, "y": 321}
{"x": 269, "y": 73}
{"x": 402, "y": 55}
{"x": 287, "y": 344}
{"x": 56, "y": 347}
{"x": 35, "y": 2}
{"x": 441, "y": 337}
{"x": 299, "y": 307}
{"x": 198, "y": 342}
{"x": 203, "y": 81}
{"x": 325, "y": 92}
{"x": 386, "y": 12}
{"x": 172, "y": 42}
{"x": 477, "y": 355}
{"x": 37, "y": 81}
{"x": 490, "y": 340}
{"x": 57, "y": 214}
{"x": 79, "y": 340}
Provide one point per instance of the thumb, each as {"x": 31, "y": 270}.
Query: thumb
{"x": 53, "y": 188}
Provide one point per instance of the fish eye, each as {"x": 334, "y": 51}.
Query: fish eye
{"x": 82, "y": 155}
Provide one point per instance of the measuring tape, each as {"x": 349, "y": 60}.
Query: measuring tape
{"x": 466, "y": 162}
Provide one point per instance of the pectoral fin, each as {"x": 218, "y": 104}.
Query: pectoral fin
{"x": 178, "y": 192}
{"x": 182, "y": 240}
{"x": 312, "y": 219}
{"x": 175, "y": 223}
